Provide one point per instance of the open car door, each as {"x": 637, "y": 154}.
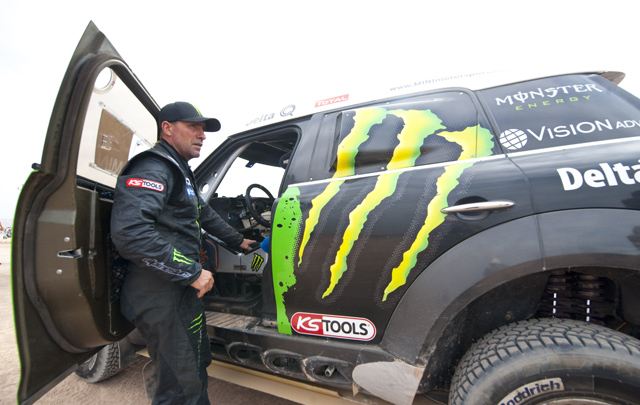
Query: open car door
{"x": 65, "y": 281}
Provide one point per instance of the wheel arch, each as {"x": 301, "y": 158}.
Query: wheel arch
{"x": 498, "y": 276}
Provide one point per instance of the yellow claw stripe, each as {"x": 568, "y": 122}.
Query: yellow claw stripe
{"x": 418, "y": 125}
{"x": 346, "y": 157}
{"x": 468, "y": 138}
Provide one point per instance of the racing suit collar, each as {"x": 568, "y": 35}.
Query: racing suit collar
{"x": 173, "y": 153}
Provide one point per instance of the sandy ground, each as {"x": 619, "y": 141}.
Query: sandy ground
{"x": 124, "y": 388}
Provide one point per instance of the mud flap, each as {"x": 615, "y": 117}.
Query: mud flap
{"x": 396, "y": 382}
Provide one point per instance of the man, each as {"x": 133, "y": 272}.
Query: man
{"x": 155, "y": 224}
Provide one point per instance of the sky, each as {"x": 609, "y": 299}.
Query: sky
{"x": 237, "y": 60}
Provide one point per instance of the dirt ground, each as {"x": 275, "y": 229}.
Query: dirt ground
{"x": 125, "y": 388}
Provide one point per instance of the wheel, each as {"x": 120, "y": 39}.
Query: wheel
{"x": 102, "y": 365}
{"x": 250, "y": 204}
{"x": 550, "y": 361}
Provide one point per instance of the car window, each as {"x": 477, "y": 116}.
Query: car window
{"x": 561, "y": 111}
{"x": 262, "y": 160}
{"x": 436, "y": 128}
{"x": 243, "y": 173}
{"x": 117, "y": 127}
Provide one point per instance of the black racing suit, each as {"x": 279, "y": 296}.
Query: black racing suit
{"x": 155, "y": 224}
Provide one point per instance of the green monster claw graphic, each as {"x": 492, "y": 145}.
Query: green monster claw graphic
{"x": 483, "y": 141}
{"x": 196, "y": 328}
{"x": 180, "y": 258}
{"x": 285, "y": 230}
{"x": 418, "y": 125}
{"x": 346, "y": 156}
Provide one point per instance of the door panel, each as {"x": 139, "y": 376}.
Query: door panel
{"x": 64, "y": 288}
{"x": 352, "y": 243}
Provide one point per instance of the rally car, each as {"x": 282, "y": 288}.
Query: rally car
{"x": 475, "y": 237}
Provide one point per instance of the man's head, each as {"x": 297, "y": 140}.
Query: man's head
{"x": 183, "y": 127}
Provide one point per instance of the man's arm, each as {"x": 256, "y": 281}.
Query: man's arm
{"x": 246, "y": 244}
{"x": 215, "y": 225}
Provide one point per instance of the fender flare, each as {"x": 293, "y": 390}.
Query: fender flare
{"x": 501, "y": 254}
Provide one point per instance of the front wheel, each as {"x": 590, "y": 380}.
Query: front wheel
{"x": 549, "y": 361}
{"x": 102, "y": 365}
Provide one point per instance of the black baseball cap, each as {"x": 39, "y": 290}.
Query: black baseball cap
{"x": 182, "y": 111}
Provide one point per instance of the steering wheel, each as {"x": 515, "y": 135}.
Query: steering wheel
{"x": 250, "y": 207}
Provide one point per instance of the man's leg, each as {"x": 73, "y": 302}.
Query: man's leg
{"x": 174, "y": 328}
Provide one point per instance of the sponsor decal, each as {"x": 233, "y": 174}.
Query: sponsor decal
{"x": 293, "y": 237}
{"x": 532, "y": 390}
{"x": 190, "y": 191}
{"x": 195, "y": 327}
{"x": 431, "y": 81}
{"x": 550, "y": 96}
{"x": 342, "y": 327}
{"x": 180, "y": 258}
{"x": 151, "y": 185}
{"x": 285, "y": 112}
{"x": 514, "y": 139}
{"x": 164, "y": 268}
{"x": 419, "y": 124}
{"x": 288, "y": 110}
{"x": 608, "y": 175}
{"x": 332, "y": 100}
{"x": 257, "y": 262}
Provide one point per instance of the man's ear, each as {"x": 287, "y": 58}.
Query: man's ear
{"x": 167, "y": 128}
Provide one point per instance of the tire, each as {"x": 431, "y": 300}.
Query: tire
{"x": 102, "y": 365}
{"x": 549, "y": 361}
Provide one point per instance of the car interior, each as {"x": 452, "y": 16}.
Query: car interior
{"x": 242, "y": 190}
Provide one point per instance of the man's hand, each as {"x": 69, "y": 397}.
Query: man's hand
{"x": 246, "y": 244}
{"x": 204, "y": 283}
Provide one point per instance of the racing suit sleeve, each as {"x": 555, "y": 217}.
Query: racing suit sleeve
{"x": 216, "y": 226}
{"x": 142, "y": 193}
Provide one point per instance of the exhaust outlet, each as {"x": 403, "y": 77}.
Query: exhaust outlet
{"x": 328, "y": 372}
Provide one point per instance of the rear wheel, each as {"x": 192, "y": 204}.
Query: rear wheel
{"x": 550, "y": 361}
{"x": 102, "y": 365}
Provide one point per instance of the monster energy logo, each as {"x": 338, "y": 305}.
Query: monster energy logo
{"x": 290, "y": 237}
{"x": 257, "y": 262}
{"x": 180, "y": 258}
{"x": 419, "y": 124}
{"x": 196, "y": 328}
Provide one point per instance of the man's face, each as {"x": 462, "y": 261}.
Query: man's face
{"x": 185, "y": 137}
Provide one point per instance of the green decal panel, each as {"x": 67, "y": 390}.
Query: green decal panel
{"x": 285, "y": 235}
{"x": 361, "y": 237}
{"x": 445, "y": 184}
{"x": 418, "y": 125}
{"x": 346, "y": 156}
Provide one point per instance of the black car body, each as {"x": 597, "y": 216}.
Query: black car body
{"x": 402, "y": 230}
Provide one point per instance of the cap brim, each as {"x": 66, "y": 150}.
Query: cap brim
{"x": 211, "y": 124}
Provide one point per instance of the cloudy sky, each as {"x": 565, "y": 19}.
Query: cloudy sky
{"x": 233, "y": 59}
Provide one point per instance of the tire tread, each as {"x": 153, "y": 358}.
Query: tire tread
{"x": 525, "y": 337}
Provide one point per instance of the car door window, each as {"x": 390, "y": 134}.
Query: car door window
{"x": 116, "y": 128}
{"x": 424, "y": 130}
{"x": 561, "y": 111}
